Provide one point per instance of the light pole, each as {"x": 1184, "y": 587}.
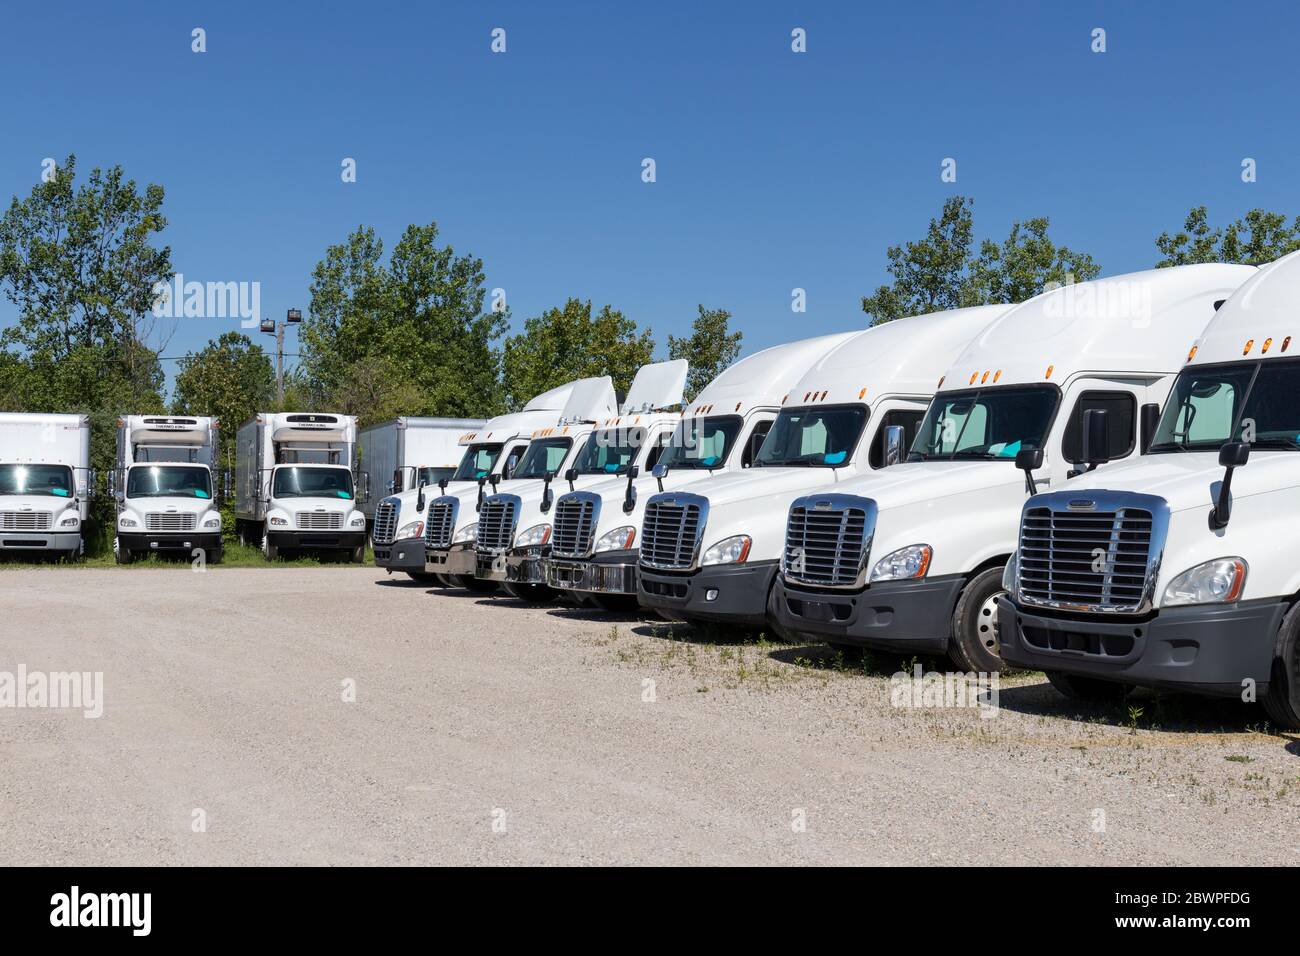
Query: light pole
{"x": 271, "y": 327}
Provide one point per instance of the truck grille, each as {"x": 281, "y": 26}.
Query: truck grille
{"x": 576, "y": 515}
{"x": 441, "y": 524}
{"x": 1085, "y": 559}
{"x": 671, "y": 531}
{"x": 26, "y": 520}
{"x": 319, "y": 520}
{"x": 163, "y": 521}
{"x": 496, "y": 522}
{"x": 828, "y": 539}
{"x": 386, "y": 521}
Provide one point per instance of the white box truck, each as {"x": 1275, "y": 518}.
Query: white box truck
{"x": 164, "y": 487}
{"x": 45, "y": 483}
{"x": 514, "y": 528}
{"x": 550, "y": 441}
{"x": 1179, "y": 569}
{"x": 593, "y": 546}
{"x": 297, "y": 487}
{"x": 709, "y": 550}
{"x": 409, "y": 451}
{"x": 911, "y": 559}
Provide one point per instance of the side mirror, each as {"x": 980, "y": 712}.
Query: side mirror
{"x": 571, "y": 475}
{"x": 1232, "y": 455}
{"x": 547, "y": 496}
{"x": 478, "y": 505}
{"x": 1095, "y": 439}
{"x": 419, "y": 498}
{"x": 894, "y": 435}
{"x": 395, "y": 485}
{"x": 1150, "y": 416}
{"x": 442, "y": 486}
{"x": 660, "y": 472}
{"x": 1029, "y": 460}
{"x": 629, "y": 499}
{"x": 494, "y": 480}
{"x": 92, "y": 479}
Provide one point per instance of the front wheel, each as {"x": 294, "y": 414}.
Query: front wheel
{"x": 357, "y": 554}
{"x": 477, "y": 585}
{"x": 973, "y": 643}
{"x": 1282, "y": 702}
{"x": 121, "y": 555}
{"x": 269, "y": 551}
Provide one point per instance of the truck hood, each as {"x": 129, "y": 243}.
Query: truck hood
{"x": 37, "y": 504}
{"x": 171, "y": 503}
{"x": 294, "y": 505}
{"x": 613, "y": 491}
{"x": 750, "y": 483}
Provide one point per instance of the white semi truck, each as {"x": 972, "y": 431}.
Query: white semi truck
{"x": 555, "y": 421}
{"x": 1179, "y": 569}
{"x": 514, "y": 528}
{"x": 411, "y": 450}
{"x": 297, "y": 487}
{"x": 593, "y": 546}
{"x": 709, "y": 550}
{"x": 164, "y": 487}
{"x": 911, "y": 560}
{"x": 45, "y": 483}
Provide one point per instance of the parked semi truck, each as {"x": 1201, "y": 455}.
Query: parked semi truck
{"x": 409, "y": 451}
{"x": 164, "y": 487}
{"x": 514, "y": 528}
{"x": 45, "y": 483}
{"x": 1179, "y": 569}
{"x": 555, "y": 420}
{"x": 709, "y": 550}
{"x": 594, "y": 539}
{"x": 912, "y": 560}
{"x": 297, "y": 487}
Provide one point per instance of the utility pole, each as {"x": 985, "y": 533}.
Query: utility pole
{"x": 271, "y": 327}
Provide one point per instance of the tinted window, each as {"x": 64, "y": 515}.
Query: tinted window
{"x": 756, "y": 438}
{"x": 908, "y": 420}
{"x": 1248, "y": 401}
{"x": 53, "y": 480}
{"x": 986, "y": 423}
{"x": 701, "y": 442}
{"x": 307, "y": 482}
{"x": 813, "y": 437}
{"x": 543, "y": 458}
{"x": 1121, "y": 424}
{"x": 477, "y": 462}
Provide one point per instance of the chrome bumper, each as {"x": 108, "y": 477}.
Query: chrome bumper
{"x": 458, "y": 559}
{"x": 567, "y": 575}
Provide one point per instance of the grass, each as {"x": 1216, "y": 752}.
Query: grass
{"x": 236, "y": 556}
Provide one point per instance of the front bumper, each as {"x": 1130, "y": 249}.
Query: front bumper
{"x": 1212, "y": 649}
{"x": 404, "y": 555}
{"x": 317, "y": 540}
{"x": 183, "y": 541}
{"x": 513, "y": 567}
{"x": 456, "y": 560}
{"x": 40, "y": 540}
{"x": 610, "y": 572}
{"x": 723, "y": 593}
{"x": 895, "y": 615}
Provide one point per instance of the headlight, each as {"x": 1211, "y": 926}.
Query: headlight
{"x": 1009, "y": 574}
{"x": 467, "y": 533}
{"x": 903, "y": 564}
{"x": 733, "y": 550}
{"x": 71, "y": 521}
{"x": 126, "y": 521}
{"x": 278, "y": 521}
{"x": 360, "y": 522}
{"x": 533, "y": 537}
{"x": 1220, "y": 581}
{"x": 412, "y": 529}
{"x": 620, "y": 539}
{"x": 213, "y": 522}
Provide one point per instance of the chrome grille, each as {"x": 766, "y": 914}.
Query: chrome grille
{"x": 828, "y": 539}
{"x": 26, "y": 520}
{"x": 441, "y": 524}
{"x": 386, "y": 520}
{"x": 166, "y": 521}
{"x": 496, "y": 523}
{"x": 319, "y": 520}
{"x": 576, "y": 515}
{"x": 1085, "y": 558}
{"x": 671, "y": 531}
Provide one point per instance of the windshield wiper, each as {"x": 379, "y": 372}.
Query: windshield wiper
{"x": 1277, "y": 442}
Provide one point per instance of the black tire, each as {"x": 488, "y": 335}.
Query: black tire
{"x": 269, "y": 551}
{"x": 120, "y": 554}
{"x": 477, "y": 585}
{"x": 215, "y": 555}
{"x": 447, "y": 580}
{"x": 424, "y": 577}
{"x": 973, "y": 641}
{"x": 532, "y": 593}
{"x": 357, "y": 555}
{"x": 1282, "y": 702}
{"x": 615, "y": 603}
{"x": 1086, "y": 689}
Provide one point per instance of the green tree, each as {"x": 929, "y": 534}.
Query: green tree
{"x": 710, "y": 348}
{"x": 570, "y": 342}
{"x": 419, "y": 317}
{"x": 943, "y": 271}
{"x": 1257, "y": 238}
{"x": 231, "y": 378}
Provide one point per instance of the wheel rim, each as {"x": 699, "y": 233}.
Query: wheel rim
{"x": 986, "y": 624}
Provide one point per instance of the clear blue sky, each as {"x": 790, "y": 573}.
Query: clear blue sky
{"x": 775, "y": 170}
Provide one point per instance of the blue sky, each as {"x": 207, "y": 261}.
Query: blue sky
{"x": 775, "y": 170}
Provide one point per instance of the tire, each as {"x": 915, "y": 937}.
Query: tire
{"x": 215, "y": 555}
{"x": 357, "y": 555}
{"x": 424, "y": 577}
{"x": 120, "y": 554}
{"x": 269, "y": 551}
{"x": 1282, "y": 702}
{"x": 446, "y": 580}
{"x": 973, "y": 641}
{"x": 532, "y": 593}
{"x": 615, "y": 603}
{"x": 477, "y": 585}
{"x": 1086, "y": 689}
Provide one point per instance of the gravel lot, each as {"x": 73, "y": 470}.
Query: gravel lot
{"x": 488, "y": 731}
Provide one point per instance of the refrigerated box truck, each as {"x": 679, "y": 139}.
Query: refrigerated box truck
{"x": 412, "y": 450}
{"x": 45, "y": 483}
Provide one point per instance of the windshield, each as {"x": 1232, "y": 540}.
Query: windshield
{"x": 161, "y": 481}
{"x": 304, "y": 481}
{"x": 701, "y": 442}
{"x": 54, "y": 480}
{"x": 609, "y": 452}
{"x": 986, "y": 423}
{"x": 813, "y": 437}
{"x": 544, "y": 457}
{"x": 1254, "y": 402}
{"x": 477, "y": 463}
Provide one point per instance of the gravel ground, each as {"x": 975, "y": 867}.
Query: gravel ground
{"x": 484, "y": 730}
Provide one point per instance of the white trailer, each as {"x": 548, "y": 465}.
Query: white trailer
{"x": 164, "y": 487}
{"x": 297, "y": 486}
{"x": 1196, "y": 570}
{"x": 411, "y": 450}
{"x": 911, "y": 559}
{"x": 45, "y": 483}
